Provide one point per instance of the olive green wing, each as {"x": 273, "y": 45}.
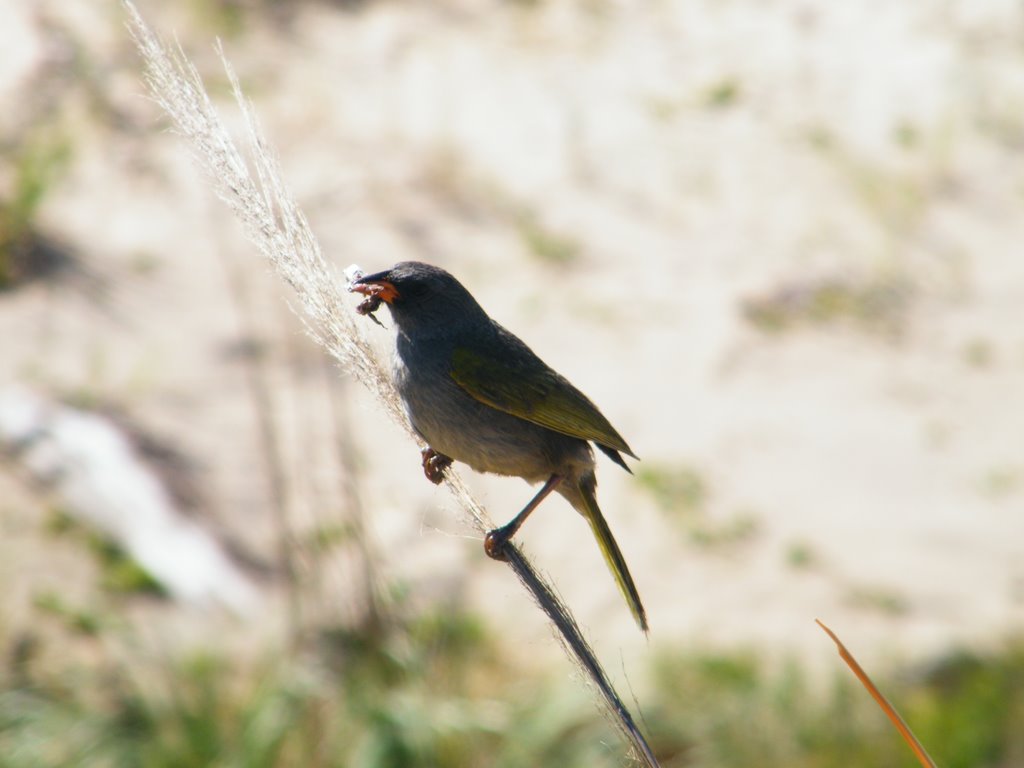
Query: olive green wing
{"x": 521, "y": 384}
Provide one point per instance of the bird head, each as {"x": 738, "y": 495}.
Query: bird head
{"x": 420, "y": 295}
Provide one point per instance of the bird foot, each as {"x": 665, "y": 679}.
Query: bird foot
{"x": 434, "y": 465}
{"x": 495, "y": 543}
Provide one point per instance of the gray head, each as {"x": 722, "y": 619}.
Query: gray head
{"x": 421, "y": 297}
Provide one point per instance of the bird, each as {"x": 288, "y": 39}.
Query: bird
{"x": 475, "y": 393}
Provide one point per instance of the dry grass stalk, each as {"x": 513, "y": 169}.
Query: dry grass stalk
{"x": 279, "y": 230}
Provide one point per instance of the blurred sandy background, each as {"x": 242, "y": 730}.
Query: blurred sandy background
{"x": 779, "y": 244}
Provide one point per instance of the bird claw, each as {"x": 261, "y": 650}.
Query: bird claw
{"x": 495, "y": 544}
{"x": 434, "y": 465}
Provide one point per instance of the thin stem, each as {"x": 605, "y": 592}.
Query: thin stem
{"x": 268, "y": 441}
{"x": 280, "y": 232}
{"x": 352, "y": 495}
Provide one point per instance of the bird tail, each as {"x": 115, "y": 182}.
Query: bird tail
{"x": 612, "y": 554}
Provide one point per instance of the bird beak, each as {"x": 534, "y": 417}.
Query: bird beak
{"x": 376, "y": 285}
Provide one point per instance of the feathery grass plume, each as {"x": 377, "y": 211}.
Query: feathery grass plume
{"x": 276, "y": 226}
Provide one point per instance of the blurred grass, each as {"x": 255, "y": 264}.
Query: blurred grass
{"x": 682, "y": 494}
{"x": 436, "y": 690}
{"x": 677, "y": 490}
{"x": 725, "y": 711}
{"x": 432, "y": 691}
{"x": 875, "y": 304}
{"x": 118, "y": 572}
{"x": 34, "y": 165}
{"x": 545, "y": 244}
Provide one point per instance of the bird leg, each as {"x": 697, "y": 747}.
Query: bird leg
{"x": 434, "y": 465}
{"x": 496, "y": 540}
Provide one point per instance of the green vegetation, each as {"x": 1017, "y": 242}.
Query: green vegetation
{"x": 729, "y": 711}
{"x": 876, "y": 305}
{"x": 119, "y": 573}
{"x": 432, "y": 691}
{"x": 37, "y": 165}
{"x": 907, "y": 135}
{"x": 543, "y": 243}
{"x": 722, "y": 94}
{"x": 436, "y": 691}
{"x": 883, "y": 601}
{"x": 978, "y": 353}
{"x": 682, "y": 493}
{"x": 78, "y": 620}
{"x": 1002, "y": 481}
{"x": 678, "y": 490}
{"x": 800, "y": 554}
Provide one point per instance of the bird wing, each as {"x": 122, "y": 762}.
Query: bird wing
{"x": 521, "y": 384}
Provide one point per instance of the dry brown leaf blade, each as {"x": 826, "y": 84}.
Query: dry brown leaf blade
{"x": 889, "y": 710}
